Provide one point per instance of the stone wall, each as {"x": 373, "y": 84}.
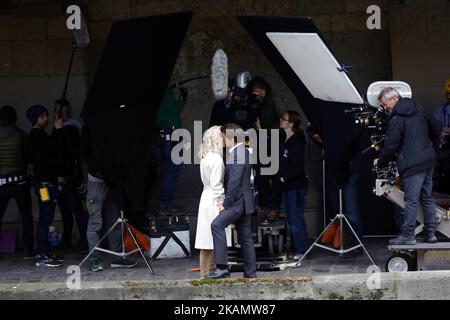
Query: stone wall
{"x": 420, "y": 41}
{"x": 35, "y": 50}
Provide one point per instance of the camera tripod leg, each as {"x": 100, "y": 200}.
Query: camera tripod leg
{"x": 299, "y": 262}
{"x": 362, "y": 245}
{"x": 100, "y": 241}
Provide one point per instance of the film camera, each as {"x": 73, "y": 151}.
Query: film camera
{"x": 372, "y": 115}
{"x": 244, "y": 105}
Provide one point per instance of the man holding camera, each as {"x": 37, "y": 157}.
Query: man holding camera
{"x": 409, "y": 139}
{"x": 269, "y": 114}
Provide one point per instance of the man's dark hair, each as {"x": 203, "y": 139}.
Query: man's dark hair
{"x": 230, "y": 126}
{"x": 227, "y": 126}
{"x": 260, "y": 83}
{"x": 8, "y": 115}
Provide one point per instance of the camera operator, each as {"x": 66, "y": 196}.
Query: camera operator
{"x": 409, "y": 139}
{"x": 442, "y": 114}
{"x": 13, "y": 174}
{"x": 270, "y": 111}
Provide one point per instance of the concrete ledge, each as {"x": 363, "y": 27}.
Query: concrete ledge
{"x": 412, "y": 285}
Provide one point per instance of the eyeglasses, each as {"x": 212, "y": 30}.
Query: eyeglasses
{"x": 283, "y": 119}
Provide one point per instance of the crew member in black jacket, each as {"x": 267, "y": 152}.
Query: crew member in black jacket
{"x": 70, "y": 201}
{"x": 294, "y": 181}
{"x": 44, "y": 152}
{"x": 409, "y": 139}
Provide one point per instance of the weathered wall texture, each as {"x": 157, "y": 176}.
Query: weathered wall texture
{"x": 420, "y": 40}
{"x": 35, "y": 49}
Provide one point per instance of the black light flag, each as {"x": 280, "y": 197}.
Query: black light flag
{"x": 122, "y": 104}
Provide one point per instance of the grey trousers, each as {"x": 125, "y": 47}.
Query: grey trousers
{"x": 101, "y": 199}
{"x": 242, "y": 224}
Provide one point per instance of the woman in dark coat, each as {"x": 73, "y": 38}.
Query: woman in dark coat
{"x": 294, "y": 181}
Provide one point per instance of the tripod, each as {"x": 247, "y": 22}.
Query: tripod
{"x": 123, "y": 225}
{"x": 341, "y": 217}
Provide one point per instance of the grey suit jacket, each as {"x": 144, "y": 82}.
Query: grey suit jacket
{"x": 237, "y": 177}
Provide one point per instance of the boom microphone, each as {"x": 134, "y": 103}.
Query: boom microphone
{"x": 219, "y": 75}
{"x": 81, "y": 40}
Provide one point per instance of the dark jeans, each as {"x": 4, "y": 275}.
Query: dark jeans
{"x": 70, "y": 204}
{"x": 418, "y": 188}
{"x": 21, "y": 194}
{"x": 172, "y": 172}
{"x": 269, "y": 188}
{"x": 294, "y": 201}
{"x": 350, "y": 198}
{"x": 46, "y": 215}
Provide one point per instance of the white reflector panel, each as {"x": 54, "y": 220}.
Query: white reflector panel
{"x": 315, "y": 65}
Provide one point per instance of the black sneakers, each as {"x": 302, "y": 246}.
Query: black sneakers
{"x": 123, "y": 263}
{"x": 47, "y": 261}
{"x": 96, "y": 266}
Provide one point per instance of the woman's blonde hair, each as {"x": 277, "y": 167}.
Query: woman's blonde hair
{"x": 212, "y": 142}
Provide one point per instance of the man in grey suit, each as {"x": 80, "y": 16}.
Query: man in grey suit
{"x": 238, "y": 206}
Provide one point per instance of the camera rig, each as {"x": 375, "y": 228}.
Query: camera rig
{"x": 372, "y": 116}
{"x": 244, "y": 105}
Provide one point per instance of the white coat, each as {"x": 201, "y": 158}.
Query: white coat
{"x": 212, "y": 171}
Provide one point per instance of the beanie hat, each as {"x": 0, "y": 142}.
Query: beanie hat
{"x": 34, "y": 112}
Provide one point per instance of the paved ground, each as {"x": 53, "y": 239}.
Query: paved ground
{"x": 13, "y": 269}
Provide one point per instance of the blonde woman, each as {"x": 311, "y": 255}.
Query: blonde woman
{"x": 212, "y": 171}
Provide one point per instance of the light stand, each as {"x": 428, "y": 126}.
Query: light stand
{"x": 324, "y": 191}
{"x": 341, "y": 217}
{"x": 122, "y": 254}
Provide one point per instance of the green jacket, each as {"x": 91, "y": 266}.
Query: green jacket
{"x": 169, "y": 115}
{"x": 12, "y": 151}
